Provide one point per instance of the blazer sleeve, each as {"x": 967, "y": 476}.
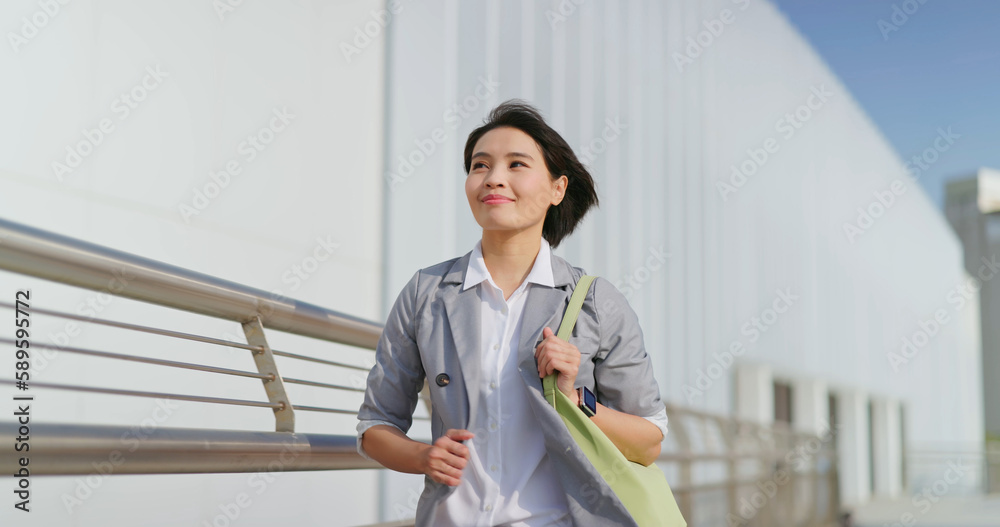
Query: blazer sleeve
{"x": 623, "y": 371}
{"x": 394, "y": 382}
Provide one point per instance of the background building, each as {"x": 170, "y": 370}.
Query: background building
{"x": 806, "y": 277}
{"x": 971, "y": 207}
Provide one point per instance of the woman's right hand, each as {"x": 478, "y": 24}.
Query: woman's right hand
{"x": 444, "y": 460}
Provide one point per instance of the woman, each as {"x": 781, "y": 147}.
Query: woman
{"x": 480, "y": 329}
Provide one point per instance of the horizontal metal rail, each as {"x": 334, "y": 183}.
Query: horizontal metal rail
{"x": 148, "y": 360}
{"x": 325, "y": 410}
{"x": 68, "y": 449}
{"x": 182, "y": 335}
{"x": 184, "y": 397}
{"x": 320, "y": 361}
{"x": 44, "y": 254}
{"x": 137, "y": 393}
{"x": 732, "y": 483}
{"x": 321, "y": 384}
{"x": 138, "y": 327}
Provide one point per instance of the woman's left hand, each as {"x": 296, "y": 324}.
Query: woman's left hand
{"x": 554, "y": 354}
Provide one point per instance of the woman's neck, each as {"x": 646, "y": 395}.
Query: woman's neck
{"x": 509, "y": 256}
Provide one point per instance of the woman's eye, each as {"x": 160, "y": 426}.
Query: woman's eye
{"x": 477, "y": 165}
{"x": 518, "y": 163}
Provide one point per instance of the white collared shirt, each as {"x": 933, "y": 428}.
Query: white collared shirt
{"x": 510, "y": 479}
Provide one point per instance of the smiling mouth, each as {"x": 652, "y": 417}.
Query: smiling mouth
{"x": 497, "y": 201}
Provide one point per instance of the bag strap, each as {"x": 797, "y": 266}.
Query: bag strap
{"x": 566, "y": 329}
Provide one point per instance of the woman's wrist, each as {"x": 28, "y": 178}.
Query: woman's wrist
{"x": 575, "y": 397}
{"x": 423, "y": 457}
{"x": 395, "y": 450}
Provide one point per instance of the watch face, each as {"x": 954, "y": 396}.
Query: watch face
{"x": 588, "y": 401}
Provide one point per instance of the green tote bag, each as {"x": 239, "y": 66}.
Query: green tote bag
{"x": 643, "y": 490}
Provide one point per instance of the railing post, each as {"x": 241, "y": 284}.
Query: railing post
{"x": 730, "y": 439}
{"x": 992, "y": 455}
{"x": 685, "y": 503}
{"x": 284, "y": 417}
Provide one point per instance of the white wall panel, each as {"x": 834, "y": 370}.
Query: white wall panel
{"x": 318, "y": 178}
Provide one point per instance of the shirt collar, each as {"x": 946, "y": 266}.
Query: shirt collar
{"x": 541, "y": 270}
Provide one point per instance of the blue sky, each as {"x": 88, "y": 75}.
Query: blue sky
{"x": 940, "y": 68}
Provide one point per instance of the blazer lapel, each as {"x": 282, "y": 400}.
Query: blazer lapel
{"x": 462, "y": 309}
{"x": 540, "y": 307}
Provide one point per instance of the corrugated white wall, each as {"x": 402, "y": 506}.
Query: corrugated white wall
{"x": 699, "y": 87}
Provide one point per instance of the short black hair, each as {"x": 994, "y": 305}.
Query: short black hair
{"x": 581, "y": 194}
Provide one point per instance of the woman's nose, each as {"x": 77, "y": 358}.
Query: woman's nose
{"x": 494, "y": 179}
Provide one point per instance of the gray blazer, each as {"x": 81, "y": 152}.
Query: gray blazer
{"x": 433, "y": 328}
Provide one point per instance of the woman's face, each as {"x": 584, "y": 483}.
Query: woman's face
{"x": 507, "y": 164}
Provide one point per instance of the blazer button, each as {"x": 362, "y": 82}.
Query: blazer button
{"x": 442, "y": 379}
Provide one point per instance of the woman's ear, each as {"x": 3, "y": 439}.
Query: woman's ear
{"x": 560, "y": 188}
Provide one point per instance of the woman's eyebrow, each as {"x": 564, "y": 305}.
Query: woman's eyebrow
{"x": 510, "y": 154}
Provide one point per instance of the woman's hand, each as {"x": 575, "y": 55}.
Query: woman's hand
{"x": 444, "y": 460}
{"x": 555, "y": 354}
{"x": 637, "y": 438}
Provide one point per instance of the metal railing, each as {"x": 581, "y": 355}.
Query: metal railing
{"x": 70, "y": 449}
{"x": 759, "y": 475}
{"x": 962, "y": 470}
{"x": 721, "y": 470}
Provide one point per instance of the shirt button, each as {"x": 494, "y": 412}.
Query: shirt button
{"x": 496, "y": 346}
{"x": 489, "y": 507}
{"x": 493, "y": 426}
{"x": 503, "y": 310}
{"x": 493, "y": 468}
{"x": 493, "y": 385}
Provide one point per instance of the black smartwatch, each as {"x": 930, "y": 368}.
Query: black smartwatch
{"x": 588, "y": 402}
